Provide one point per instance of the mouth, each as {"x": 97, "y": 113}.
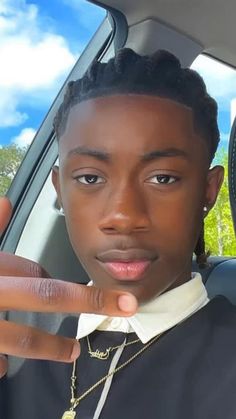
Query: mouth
{"x": 126, "y": 265}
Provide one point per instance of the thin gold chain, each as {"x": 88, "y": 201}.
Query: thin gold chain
{"x": 76, "y": 400}
{"x": 105, "y": 355}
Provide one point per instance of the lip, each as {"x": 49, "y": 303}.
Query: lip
{"x": 126, "y": 265}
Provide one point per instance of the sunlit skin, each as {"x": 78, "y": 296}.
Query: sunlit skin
{"x": 133, "y": 179}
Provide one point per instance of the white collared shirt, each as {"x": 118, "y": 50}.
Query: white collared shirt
{"x": 154, "y": 317}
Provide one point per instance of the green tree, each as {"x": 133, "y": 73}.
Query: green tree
{"x": 10, "y": 158}
{"x": 219, "y": 230}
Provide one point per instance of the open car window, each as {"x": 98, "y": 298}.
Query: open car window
{"x": 220, "y": 80}
{"x": 39, "y": 45}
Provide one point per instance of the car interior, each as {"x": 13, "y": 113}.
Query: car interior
{"x": 185, "y": 28}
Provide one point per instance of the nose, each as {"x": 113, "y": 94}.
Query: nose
{"x": 125, "y": 213}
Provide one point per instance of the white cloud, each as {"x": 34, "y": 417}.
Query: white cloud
{"x": 33, "y": 61}
{"x": 9, "y": 115}
{"x": 219, "y": 78}
{"x": 25, "y": 137}
{"x": 46, "y": 60}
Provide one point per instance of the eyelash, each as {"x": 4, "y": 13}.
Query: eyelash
{"x": 78, "y": 179}
{"x": 161, "y": 177}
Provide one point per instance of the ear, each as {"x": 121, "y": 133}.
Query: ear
{"x": 215, "y": 179}
{"x": 56, "y": 183}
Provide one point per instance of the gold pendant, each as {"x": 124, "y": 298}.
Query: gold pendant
{"x": 100, "y": 355}
{"x": 69, "y": 414}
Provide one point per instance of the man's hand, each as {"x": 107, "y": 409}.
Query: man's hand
{"x": 50, "y": 295}
{"x": 25, "y": 286}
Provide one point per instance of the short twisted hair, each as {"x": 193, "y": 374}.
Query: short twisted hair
{"x": 159, "y": 74}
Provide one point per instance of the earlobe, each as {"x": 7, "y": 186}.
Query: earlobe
{"x": 215, "y": 179}
{"x": 56, "y": 183}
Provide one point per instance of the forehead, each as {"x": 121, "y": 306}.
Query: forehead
{"x": 130, "y": 122}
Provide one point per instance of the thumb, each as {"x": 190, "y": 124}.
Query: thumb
{"x": 5, "y": 212}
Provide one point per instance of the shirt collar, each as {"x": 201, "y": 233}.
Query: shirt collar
{"x": 154, "y": 317}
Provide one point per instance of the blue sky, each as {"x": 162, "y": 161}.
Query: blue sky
{"x": 221, "y": 84}
{"x": 40, "y": 41}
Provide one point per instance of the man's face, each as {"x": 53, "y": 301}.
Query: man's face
{"x": 133, "y": 180}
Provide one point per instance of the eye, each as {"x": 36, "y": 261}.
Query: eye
{"x": 163, "y": 179}
{"x": 90, "y": 179}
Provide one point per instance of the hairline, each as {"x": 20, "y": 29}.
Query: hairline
{"x": 145, "y": 94}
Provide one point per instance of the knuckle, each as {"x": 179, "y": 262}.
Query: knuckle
{"x": 26, "y": 341}
{"x": 34, "y": 269}
{"x": 97, "y": 299}
{"x": 37, "y": 271}
{"x": 48, "y": 291}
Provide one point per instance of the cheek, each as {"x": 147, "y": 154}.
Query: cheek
{"x": 80, "y": 218}
{"x": 184, "y": 228}
{"x": 178, "y": 217}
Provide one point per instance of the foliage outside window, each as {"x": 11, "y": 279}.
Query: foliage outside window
{"x": 11, "y": 157}
{"x": 219, "y": 230}
{"x": 220, "y": 80}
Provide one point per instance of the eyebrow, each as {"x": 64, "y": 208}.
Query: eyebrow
{"x": 169, "y": 152}
{"x": 147, "y": 157}
{"x": 91, "y": 152}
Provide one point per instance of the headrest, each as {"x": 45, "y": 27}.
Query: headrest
{"x": 232, "y": 172}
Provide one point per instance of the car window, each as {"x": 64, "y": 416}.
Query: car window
{"x": 40, "y": 42}
{"x": 221, "y": 84}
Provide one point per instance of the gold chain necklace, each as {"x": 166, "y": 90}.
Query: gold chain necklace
{"x": 105, "y": 355}
{"x": 75, "y": 401}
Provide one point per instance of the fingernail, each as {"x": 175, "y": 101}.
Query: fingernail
{"x": 75, "y": 351}
{"x": 127, "y": 303}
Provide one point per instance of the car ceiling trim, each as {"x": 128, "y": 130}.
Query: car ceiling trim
{"x": 149, "y": 35}
{"x": 120, "y": 24}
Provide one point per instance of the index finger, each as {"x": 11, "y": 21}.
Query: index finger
{"x": 53, "y": 295}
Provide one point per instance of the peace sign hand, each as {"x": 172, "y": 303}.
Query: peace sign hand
{"x": 25, "y": 286}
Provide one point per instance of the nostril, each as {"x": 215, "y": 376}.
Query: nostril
{"x": 141, "y": 228}
{"x": 123, "y": 229}
{"x": 109, "y": 230}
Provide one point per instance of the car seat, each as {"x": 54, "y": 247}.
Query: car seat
{"x": 220, "y": 277}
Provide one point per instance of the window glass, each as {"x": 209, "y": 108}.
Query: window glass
{"x": 40, "y": 42}
{"x": 221, "y": 84}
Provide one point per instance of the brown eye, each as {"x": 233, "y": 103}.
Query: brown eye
{"x": 163, "y": 179}
{"x": 90, "y": 179}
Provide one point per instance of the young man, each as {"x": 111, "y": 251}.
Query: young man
{"x": 136, "y": 139}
